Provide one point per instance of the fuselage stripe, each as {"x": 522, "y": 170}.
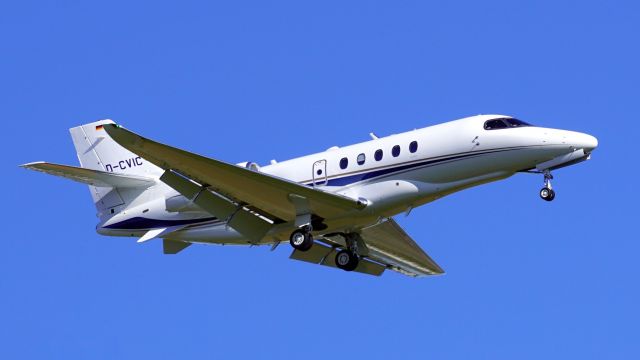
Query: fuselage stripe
{"x": 341, "y": 180}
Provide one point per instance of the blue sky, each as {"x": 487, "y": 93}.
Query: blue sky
{"x": 257, "y": 81}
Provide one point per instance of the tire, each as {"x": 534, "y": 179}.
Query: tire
{"x": 308, "y": 242}
{"x": 346, "y": 260}
{"x": 552, "y": 195}
{"x": 301, "y": 240}
{"x": 547, "y": 194}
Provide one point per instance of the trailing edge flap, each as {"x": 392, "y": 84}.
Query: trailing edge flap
{"x": 388, "y": 244}
{"x": 89, "y": 176}
{"x": 244, "y": 221}
{"x": 324, "y": 255}
{"x": 262, "y": 191}
{"x": 170, "y": 247}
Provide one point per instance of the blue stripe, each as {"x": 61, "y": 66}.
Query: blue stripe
{"x": 366, "y": 175}
{"x": 138, "y": 223}
{"x": 348, "y": 180}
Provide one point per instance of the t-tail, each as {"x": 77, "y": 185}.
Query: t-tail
{"x": 117, "y": 178}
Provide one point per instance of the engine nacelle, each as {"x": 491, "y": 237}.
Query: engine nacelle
{"x": 249, "y": 165}
{"x": 180, "y": 203}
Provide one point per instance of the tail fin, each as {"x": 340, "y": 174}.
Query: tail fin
{"x": 97, "y": 151}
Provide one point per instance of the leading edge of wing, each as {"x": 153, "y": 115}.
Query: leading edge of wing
{"x": 231, "y": 180}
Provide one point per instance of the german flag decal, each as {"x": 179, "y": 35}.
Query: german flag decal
{"x": 99, "y": 127}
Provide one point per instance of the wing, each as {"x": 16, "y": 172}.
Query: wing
{"x": 270, "y": 194}
{"x": 388, "y": 244}
{"x": 89, "y": 176}
{"x": 385, "y": 244}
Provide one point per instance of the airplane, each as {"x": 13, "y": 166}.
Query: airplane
{"x": 334, "y": 207}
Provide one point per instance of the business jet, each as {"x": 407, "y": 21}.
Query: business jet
{"x": 334, "y": 207}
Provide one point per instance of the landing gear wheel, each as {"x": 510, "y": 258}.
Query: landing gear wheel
{"x": 301, "y": 240}
{"x": 346, "y": 260}
{"x": 547, "y": 194}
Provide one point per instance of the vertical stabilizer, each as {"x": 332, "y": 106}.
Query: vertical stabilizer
{"x": 97, "y": 151}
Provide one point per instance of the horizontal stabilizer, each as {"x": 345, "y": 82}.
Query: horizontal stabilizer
{"x": 92, "y": 177}
{"x": 324, "y": 255}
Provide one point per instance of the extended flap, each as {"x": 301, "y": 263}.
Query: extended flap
{"x": 325, "y": 255}
{"x": 171, "y": 247}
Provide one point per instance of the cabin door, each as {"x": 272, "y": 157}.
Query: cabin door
{"x": 319, "y": 174}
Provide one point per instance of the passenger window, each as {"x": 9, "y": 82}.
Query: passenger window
{"x": 395, "y": 151}
{"x": 413, "y": 147}
{"x": 378, "y": 155}
{"x": 344, "y": 162}
{"x": 361, "y": 159}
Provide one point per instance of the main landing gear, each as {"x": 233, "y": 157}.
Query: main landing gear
{"x": 302, "y": 239}
{"x": 348, "y": 259}
{"x": 547, "y": 193}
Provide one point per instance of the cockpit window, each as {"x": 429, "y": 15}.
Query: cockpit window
{"x": 516, "y": 123}
{"x": 504, "y": 123}
{"x": 495, "y": 124}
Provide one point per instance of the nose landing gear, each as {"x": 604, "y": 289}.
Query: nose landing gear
{"x": 547, "y": 193}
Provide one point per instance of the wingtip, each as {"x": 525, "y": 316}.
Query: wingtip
{"x": 110, "y": 126}
{"x": 31, "y": 164}
{"x": 437, "y": 270}
{"x": 115, "y": 130}
{"x": 125, "y": 137}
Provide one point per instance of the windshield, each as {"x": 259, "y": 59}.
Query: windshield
{"x": 504, "y": 123}
{"x": 516, "y": 123}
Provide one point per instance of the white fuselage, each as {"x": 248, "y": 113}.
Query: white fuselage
{"x": 445, "y": 158}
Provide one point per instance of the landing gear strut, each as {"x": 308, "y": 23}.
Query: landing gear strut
{"x": 348, "y": 259}
{"x": 302, "y": 239}
{"x": 547, "y": 193}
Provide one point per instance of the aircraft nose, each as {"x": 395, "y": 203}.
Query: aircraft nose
{"x": 585, "y": 141}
